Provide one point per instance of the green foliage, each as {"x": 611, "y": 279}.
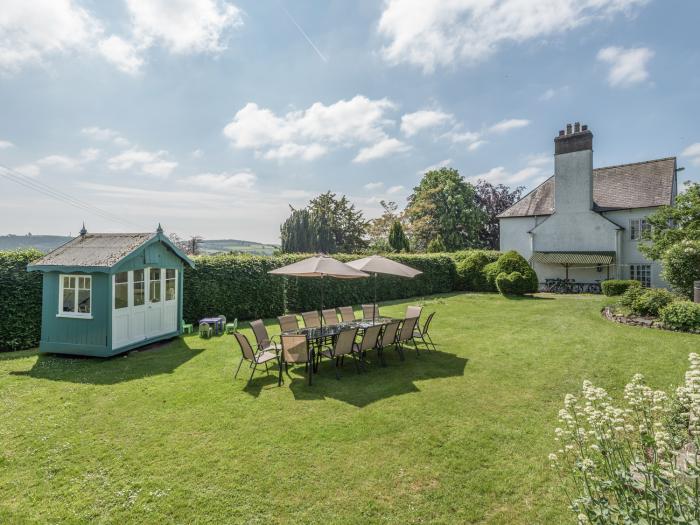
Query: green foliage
{"x": 670, "y": 225}
{"x": 297, "y": 232}
{"x": 681, "y": 266}
{"x": 436, "y": 245}
{"x": 514, "y": 283}
{"x": 397, "y": 238}
{"x": 650, "y": 301}
{"x": 629, "y": 297}
{"x": 444, "y": 204}
{"x": 681, "y": 315}
{"x": 20, "y": 300}
{"x": 613, "y": 287}
{"x": 470, "y": 270}
{"x": 508, "y": 263}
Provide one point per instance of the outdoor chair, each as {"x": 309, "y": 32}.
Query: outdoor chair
{"x": 205, "y": 330}
{"x": 231, "y": 328}
{"x": 288, "y": 323}
{"x": 422, "y": 333}
{"x": 330, "y": 317}
{"x": 255, "y": 358}
{"x": 263, "y": 339}
{"x": 413, "y": 311}
{"x": 295, "y": 350}
{"x": 187, "y": 328}
{"x": 369, "y": 341}
{"x": 347, "y": 314}
{"x": 406, "y": 333}
{"x": 311, "y": 319}
{"x": 344, "y": 345}
{"x": 222, "y": 323}
{"x": 370, "y": 311}
{"x": 388, "y": 339}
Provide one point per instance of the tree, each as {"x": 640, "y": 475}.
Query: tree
{"x": 397, "y": 238}
{"x": 189, "y": 246}
{"x": 378, "y": 229}
{"x": 444, "y": 204}
{"x": 672, "y": 224}
{"x": 327, "y": 225}
{"x": 436, "y": 245}
{"x": 493, "y": 200}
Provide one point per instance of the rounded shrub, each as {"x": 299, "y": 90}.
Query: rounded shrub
{"x": 509, "y": 263}
{"x": 681, "y": 315}
{"x": 470, "y": 271}
{"x": 630, "y": 296}
{"x": 651, "y": 301}
{"x": 681, "y": 266}
{"x": 618, "y": 286}
{"x": 514, "y": 283}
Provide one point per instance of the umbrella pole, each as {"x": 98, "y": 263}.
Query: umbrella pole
{"x": 321, "y": 312}
{"x": 374, "y": 305}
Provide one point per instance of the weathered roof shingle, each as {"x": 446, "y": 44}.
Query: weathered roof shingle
{"x": 95, "y": 250}
{"x": 639, "y": 185}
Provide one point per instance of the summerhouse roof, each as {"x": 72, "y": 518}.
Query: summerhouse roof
{"x": 638, "y": 185}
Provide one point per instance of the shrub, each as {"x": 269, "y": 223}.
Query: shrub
{"x": 508, "y": 263}
{"x": 514, "y": 283}
{"x": 630, "y": 296}
{"x": 491, "y": 271}
{"x": 20, "y": 300}
{"x": 650, "y": 301}
{"x": 618, "y": 286}
{"x": 470, "y": 270}
{"x": 681, "y": 315}
{"x": 681, "y": 266}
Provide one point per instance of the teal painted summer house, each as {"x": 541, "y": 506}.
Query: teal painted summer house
{"x": 106, "y": 293}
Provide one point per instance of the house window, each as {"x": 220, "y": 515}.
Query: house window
{"x": 641, "y": 273}
{"x": 121, "y": 290}
{"x": 154, "y": 290}
{"x": 637, "y": 229}
{"x": 139, "y": 288}
{"x": 170, "y": 283}
{"x": 75, "y": 296}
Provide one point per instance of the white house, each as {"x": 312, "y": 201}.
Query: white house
{"x": 586, "y": 223}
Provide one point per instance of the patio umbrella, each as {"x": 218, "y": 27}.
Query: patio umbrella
{"x": 377, "y": 264}
{"x": 320, "y": 266}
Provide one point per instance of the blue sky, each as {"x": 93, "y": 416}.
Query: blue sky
{"x": 211, "y": 117}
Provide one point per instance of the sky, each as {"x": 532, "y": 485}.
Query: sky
{"x": 212, "y": 117}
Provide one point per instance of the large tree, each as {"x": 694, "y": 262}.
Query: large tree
{"x": 444, "y": 204}
{"x": 328, "y": 224}
{"x": 672, "y": 224}
{"x": 493, "y": 200}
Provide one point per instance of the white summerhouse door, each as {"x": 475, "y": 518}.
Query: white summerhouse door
{"x": 155, "y": 302}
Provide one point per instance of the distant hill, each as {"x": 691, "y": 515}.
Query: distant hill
{"x": 46, "y": 243}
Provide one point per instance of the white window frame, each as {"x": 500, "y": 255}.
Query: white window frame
{"x": 636, "y": 269}
{"x": 73, "y": 315}
{"x": 641, "y": 226}
{"x": 165, "y": 285}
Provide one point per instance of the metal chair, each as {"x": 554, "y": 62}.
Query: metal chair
{"x": 263, "y": 339}
{"x": 330, "y": 317}
{"x": 423, "y": 335}
{"x": 344, "y": 345}
{"x": 311, "y": 319}
{"x": 255, "y": 358}
{"x": 288, "y": 323}
{"x": 406, "y": 333}
{"x": 347, "y": 314}
{"x": 296, "y": 350}
{"x": 388, "y": 339}
{"x": 370, "y": 311}
{"x": 413, "y": 311}
{"x": 369, "y": 341}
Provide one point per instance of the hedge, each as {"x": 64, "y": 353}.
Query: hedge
{"x": 681, "y": 315}
{"x": 470, "y": 270}
{"x": 613, "y": 287}
{"x": 20, "y": 297}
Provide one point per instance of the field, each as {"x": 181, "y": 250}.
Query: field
{"x": 460, "y": 435}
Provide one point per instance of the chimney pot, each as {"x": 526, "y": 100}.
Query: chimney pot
{"x": 568, "y": 129}
{"x": 577, "y": 127}
{"x": 584, "y": 127}
{"x": 561, "y": 132}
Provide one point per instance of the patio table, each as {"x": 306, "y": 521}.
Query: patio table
{"x": 218, "y": 323}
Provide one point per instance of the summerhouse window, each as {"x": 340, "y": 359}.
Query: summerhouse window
{"x": 139, "y": 288}
{"x": 121, "y": 290}
{"x": 641, "y": 273}
{"x": 637, "y": 229}
{"x": 154, "y": 290}
{"x": 170, "y": 284}
{"x": 75, "y": 293}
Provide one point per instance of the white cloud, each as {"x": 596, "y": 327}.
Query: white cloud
{"x": 148, "y": 162}
{"x": 476, "y": 145}
{"x": 30, "y": 31}
{"x": 124, "y": 55}
{"x": 432, "y": 33}
{"x": 371, "y": 186}
{"x": 223, "y": 181}
{"x": 436, "y": 166}
{"x": 550, "y": 93}
{"x": 394, "y": 190}
{"x": 388, "y": 146}
{"x": 197, "y": 154}
{"x": 310, "y": 133}
{"x": 6, "y": 144}
{"x": 30, "y": 170}
{"x": 627, "y": 66}
{"x": 534, "y": 172}
{"x": 509, "y": 124}
{"x": 412, "y": 123}
{"x": 693, "y": 151}
{"x": 65, "y": 162}
{"x": 105, "y": 135}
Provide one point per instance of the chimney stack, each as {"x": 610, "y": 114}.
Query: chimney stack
{"x": 573, "y": 169}
{"x": 576, "y": 138}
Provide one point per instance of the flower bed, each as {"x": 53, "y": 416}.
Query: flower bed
{"x": 638, "y": 320}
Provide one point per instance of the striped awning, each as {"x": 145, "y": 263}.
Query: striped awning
{"x": 573, "y": 257}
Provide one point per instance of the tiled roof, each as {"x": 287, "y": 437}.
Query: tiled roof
{"x": 639, "y": 185}
{"x": 96, "y": 250}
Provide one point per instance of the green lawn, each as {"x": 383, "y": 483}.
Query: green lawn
{"x": 461, "y": 435}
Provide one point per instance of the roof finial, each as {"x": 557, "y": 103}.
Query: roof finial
{"x": 159, "y": 229}
{"x": 83, "y": 231}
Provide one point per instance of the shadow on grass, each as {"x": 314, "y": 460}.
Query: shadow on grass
{"x": 149, "y": 361}
{"x": 376, "y": 382}
{"x": 528, "y": 298}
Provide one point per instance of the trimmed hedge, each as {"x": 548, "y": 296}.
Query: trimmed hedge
{"x": 20, "y": 298}
{"x": 508, "y": 264}
{"x": 514, "y": 283}
{"x": 613, "y": 287}
{"x": 681, "y": 315}
{"x": 470, "y": 274}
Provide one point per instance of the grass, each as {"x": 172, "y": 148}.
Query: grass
{"x": 461, "y": 435}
